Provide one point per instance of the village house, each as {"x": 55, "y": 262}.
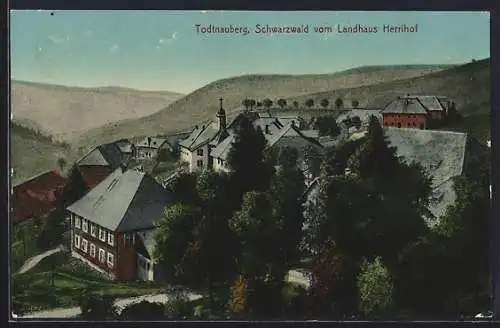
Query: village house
{"x": 36, "y": 197}
{"x": 98, "y": 163}
{"x": 127, "y": 149}
{"x": 112, "y": 226}
{"x": 213, "y": 142}
{"x": 150, "y": 147}
{"x": 420, "y": 112}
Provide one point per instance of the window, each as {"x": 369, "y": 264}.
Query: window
{"x": 92, "y": 250}
{"x": 92, "y": 229}
{"x": 199, "y": 163}
{"x": 84, "y": 245}
{"x": 77, "y": 241}
{"x": 110, "y": 260}
{"x": 102, "y": 234}
{"x": 85, "y": 226}
{"x": 199, "y": 152}
{"x": 77, "y": 222}
{"x": 111, "y": 239}
{"x": 101, "y": 255}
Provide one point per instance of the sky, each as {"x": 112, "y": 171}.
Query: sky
{"x": 161, "y": 50}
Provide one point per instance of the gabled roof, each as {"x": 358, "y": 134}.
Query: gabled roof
{"x": 291, "y": 136}
{"x": 36, "y": 196}
{"x": 125, "y": 146}
{"x": 415, "y": 105}
{"x": 103, "y": 155}
{"x": 200, "y": 136}
{"x": 93, "y": 175}
{"x": 152, "y": 142}
{"x": 223, "y": 148}
{"x": 441, "y": 154}
{"x": 124, "y": 201}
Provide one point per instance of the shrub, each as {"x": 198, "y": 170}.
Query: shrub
{"x": 97, "y": 307}
{"x": 143, "y": 311}
{"x": 178, "y": 306}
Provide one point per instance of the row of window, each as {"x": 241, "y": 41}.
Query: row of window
{"x": 83, "y": 224}
{"x": 83, "y": 245}
{"x": 412, "y": 125}
{"x": 199, "y": 152}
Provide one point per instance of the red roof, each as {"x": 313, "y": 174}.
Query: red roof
{"x": 36, "y": 196}
{"x": 93, "y": 175}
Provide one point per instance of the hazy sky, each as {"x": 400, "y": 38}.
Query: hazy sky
{"x": 160, "y": 50}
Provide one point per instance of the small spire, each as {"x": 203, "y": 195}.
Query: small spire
{"x": 220, "y": 100}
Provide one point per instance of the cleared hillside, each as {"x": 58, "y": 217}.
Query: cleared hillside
{"x": 202, "y": 104}
{"x": 65, "y": 112}
{"x": 32, "y": 154}
{"x": 468, "y": 85}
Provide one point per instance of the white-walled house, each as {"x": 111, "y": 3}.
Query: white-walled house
{"x": 195, "y": 149}
{"x": 149, "y": 147}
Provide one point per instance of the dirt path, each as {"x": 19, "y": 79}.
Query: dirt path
{"x": 33, "y": 261}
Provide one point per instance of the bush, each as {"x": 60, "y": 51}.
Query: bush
{"x": 97, "y": 307}
{"x": 178, "y": 306}
{"x": 143, "y": 311}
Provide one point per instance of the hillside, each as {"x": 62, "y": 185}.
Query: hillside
{"x": 32, "y": 153}
{"x": 202, "y": 104}
{"x": 468, "y": 85}
{"x": 65, "y": 112}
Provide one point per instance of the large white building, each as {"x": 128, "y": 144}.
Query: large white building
{"x": 208, "y": 146}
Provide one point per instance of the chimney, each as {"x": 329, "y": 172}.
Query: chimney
{"x": 293, "y": 123}
{"x": 267, "y": 129}
{"x": 123, "y": 167}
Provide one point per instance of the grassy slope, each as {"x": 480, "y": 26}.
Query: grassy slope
{"x": 32, "y": 154}
{"x": 202, "y": 104}
{"x": 468, "y": 85}
{"x": 67, "y": 111}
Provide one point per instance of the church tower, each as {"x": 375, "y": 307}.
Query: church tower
{"x": 221, "y": 116}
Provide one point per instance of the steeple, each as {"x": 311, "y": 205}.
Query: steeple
{"x": 221, "y": 116}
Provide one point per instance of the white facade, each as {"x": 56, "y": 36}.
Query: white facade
{"x": 144, "y": 268}
{"x": 197, "y": 159}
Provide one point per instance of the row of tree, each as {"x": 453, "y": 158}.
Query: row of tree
{"x": 267, "y": 103}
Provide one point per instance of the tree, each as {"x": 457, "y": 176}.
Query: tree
{"x": 256, "y": 229}
{"x": 184, "y": 189}
{"x": 253, "y": 102}
{"x": 333, "y": 290}
{"x": 174, "y": 233}
{"x": 246, "y": 103}
{"x": 355, "y": 103}
{"x": 324, "y": 103}
{"x": 213, "y": 252}
{"x": 51, "y": 232}
{"x": 339, "y": 103}
{"x": 259, "y": 104}
{"x": 249, "y": 169}
{"x": 97, "y": 307}
{"x": 267, "y": 103}
{"x": 375, "y": 288}
{"x": 327, "y": 126}
{"x": 143, "y": 311}
{"x": 281, "y": 103}
{"x": 296, "y": 104}
{"x": 287, "y": 198}
{"x": 74, "y": 189}
{"x": 61, "y": 162}
{"x": 238, "y": 299}
{"x": 356, "y": 122}
{"x": 309, "y": 103}
{"x": 178, "y": 306}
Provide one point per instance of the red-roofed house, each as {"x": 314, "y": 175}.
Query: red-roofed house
{"x": 36, "y": 197}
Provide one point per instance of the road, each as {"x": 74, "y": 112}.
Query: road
{"x": 33, "y": 261}
{"x": 120, "y": 304}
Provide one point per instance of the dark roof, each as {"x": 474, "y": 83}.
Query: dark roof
{"x": 416, "y": 105}
{"x": 93, "y": 175}
{"x": 152, "y": 142}
{"x": 200, "y": 136}
{"x": 103, "y": 155}
{"x": 36, "y": 196}
{"x": 124, "y": 201}
{"x": 125, "y": 146}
